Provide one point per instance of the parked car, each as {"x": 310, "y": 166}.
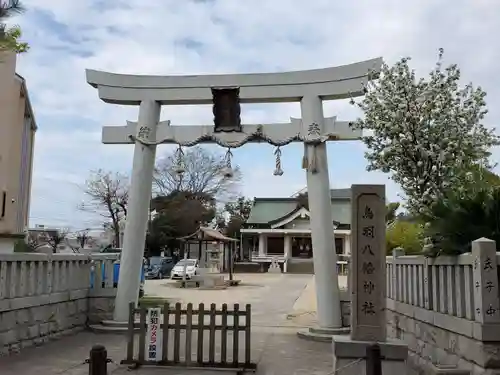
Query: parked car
{"x": 190, "y": 265}
{"x": 159, "y": 267}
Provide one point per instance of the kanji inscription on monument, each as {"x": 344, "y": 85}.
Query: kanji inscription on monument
{"x": 484, "y": 273}
{"x": 368, "y": 263}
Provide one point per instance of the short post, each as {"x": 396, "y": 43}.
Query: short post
{"x": 485, "y": 279}
{"x": 349, "y": 275}
{"x": 231, "y": 261}
{"x": 98, "y": 360}
{"x": 184, "y": 270}
{"x": 373, "y": 360}
{"x": 396, "y": 253}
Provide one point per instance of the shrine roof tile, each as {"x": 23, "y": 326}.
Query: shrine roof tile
{"x": 267, "y": 210}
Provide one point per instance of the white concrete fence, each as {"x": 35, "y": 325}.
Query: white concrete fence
{"x": 448, "y": 284}
{"x": 44, "y": 296}
{"x": 447, "y": 309}
{"x": 30, "y": 275}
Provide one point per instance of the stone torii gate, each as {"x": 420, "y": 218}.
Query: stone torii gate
{"x": 226, "y": 92}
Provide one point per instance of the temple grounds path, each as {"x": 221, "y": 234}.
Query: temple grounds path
{"x": 281, "y": 304}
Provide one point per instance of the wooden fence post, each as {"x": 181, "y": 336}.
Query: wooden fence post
{"x": 230, "y": 325}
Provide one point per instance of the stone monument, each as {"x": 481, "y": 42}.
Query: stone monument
{"x": 226, "y": 93}
{"x": 367, "y": 287}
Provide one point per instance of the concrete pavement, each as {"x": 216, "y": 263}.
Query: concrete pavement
{"x": 275, "y": 345}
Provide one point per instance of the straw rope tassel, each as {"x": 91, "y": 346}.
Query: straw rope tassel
{"x": 313, "y": 167}
{"x": 179, "y": 156}
{"x": 305, "y": 161}
{"x": 278, "y": 171}
{"x": 228, "y": 173}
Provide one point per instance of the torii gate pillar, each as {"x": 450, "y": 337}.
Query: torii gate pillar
{"x": 309, "y": 87}
{"x": 322, "y": 235}
{"x": 138, "y": 210}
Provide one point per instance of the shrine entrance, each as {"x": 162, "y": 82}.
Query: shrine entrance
{"x": 226, "y": 93}
{"x": 302, "y": 247}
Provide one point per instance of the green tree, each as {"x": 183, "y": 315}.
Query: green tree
{"x": 185, "y": 210}
{"x": 427, "y": 133}
{"x": 480, "y": 178}
{"x": 455, "y": 222}
{"x": 179, "y": 214}
{"x": 159, "y": 235}
{"x": 237, "y": 213}
{"x": 9, "y": 36}
{"x": 405, "y": 234}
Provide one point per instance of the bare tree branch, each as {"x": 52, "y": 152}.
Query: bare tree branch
{"x": 204, "y": 172}
{"x": 56, "y": 238}
{"x": 108, "y": 194}
{"x": 36, "y": 239}
{"x": 46, "y": 237}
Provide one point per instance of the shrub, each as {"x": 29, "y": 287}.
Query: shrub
{"x": 405, "y": 234}
{"x": 22, "y": 247}
{"x": 454, "y": 223}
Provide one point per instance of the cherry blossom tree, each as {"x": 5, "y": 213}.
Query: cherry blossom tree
{"x": 427, "y": 133}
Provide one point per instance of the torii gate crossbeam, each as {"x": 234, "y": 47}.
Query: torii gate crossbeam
{"x": 309, "y": 88}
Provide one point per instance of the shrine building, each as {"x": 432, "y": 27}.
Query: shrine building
{"x": 279, "y": 229}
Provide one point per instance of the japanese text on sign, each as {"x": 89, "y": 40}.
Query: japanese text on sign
{"x": 368, "y": 213}
{"x": 367, "y": 260}
{"x": 153, "y": 335}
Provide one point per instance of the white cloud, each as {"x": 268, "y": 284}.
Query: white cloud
{"x": 223, "y": 36}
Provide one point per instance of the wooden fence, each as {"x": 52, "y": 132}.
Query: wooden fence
{"x": 196, "y": 350}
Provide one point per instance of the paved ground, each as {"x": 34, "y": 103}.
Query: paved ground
{"x": 275, "y": 346}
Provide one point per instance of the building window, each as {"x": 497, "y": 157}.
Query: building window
{"x": 339, "y": 245}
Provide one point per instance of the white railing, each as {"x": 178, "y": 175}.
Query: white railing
{"x": 464, "y": 286}
{"x": 30, "y": 275}
{"x": 444, "y": 284}
{"x": 268, "y": 258}
{"x": 103, "y": 273}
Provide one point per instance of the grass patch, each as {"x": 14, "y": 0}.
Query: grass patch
{"x": 154, "y": 301}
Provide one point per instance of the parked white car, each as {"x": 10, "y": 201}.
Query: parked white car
{"x": 190, "y": 265}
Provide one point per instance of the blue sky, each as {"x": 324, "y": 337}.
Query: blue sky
{"x": 225, "y": 36}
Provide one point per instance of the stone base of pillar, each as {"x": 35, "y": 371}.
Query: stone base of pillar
{"x": 111, "y": 326}
{"x": 349, "y": 357}
{"x": 322, "y": 334}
